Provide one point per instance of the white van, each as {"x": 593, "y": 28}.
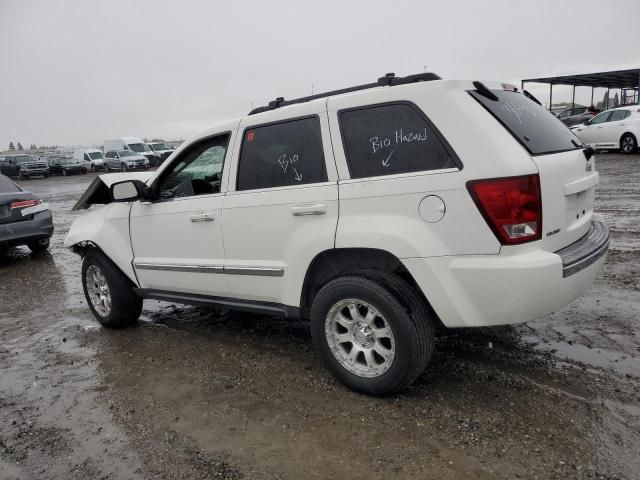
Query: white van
{"x": 92, "y": 158}
{"x": 133, "y": 144}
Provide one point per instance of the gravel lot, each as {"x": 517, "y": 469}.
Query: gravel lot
{"x": 195, "y": 393}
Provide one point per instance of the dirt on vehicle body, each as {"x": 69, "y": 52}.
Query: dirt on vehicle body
{"x": 196, "y": 393}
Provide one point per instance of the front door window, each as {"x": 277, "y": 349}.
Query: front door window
{"x": 197, "y": 172}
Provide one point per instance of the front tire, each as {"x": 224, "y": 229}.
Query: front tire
{"x": 109, "y": 292}
{"x": 369, "y": 340}
{"x": 106, "y": 168}
{"x": 628, "y": 143}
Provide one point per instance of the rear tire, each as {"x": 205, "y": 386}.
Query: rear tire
{"x": 39, "y": 245}
{"x": 628, "y": 144}
{"x": 109, "y": 292}
{"x": 353, "y": 315}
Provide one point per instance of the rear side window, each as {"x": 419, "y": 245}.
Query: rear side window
{"x": 618, "y": 115}
{"x": 391, "y": 139}
{"x": 534, "y": 127}
{"x": 282, "y": 154}
{"x": 7, "y": 186}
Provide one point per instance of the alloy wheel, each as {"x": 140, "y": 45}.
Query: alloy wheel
{"x": 360, "y": 338}
{"x": 628, "y": 144}
{"x": 98, "y": 290}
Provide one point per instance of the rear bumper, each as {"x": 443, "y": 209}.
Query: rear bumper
{"x": 587, "y": 250}
{"x": 20, "y": 233}
{"x": 485, "y": 290}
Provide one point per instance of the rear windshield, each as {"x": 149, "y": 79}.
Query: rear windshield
{"x": 7, "y": 186}
{"x": 534, "y": 127}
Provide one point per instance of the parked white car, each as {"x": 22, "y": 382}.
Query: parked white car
{"x": 91, "y": 158}
{"x": 161, "y": 149}
{"x": 379, "y": 212}
{"x": 618, "y": 128}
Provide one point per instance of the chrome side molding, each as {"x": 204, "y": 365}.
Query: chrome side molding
{"x": 231, "y": 270}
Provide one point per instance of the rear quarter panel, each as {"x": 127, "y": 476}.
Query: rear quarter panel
{"x": 382, "y": 212}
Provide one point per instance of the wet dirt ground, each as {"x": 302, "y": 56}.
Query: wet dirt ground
{"x": 195, "y": 393}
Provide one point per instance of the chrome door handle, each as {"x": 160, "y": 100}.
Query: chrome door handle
{"x": 202, "y": 217}
{"x": 317, "y": 209}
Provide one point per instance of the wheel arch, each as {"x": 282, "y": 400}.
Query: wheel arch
{"x": 85, "y": 247}
{"x": 628, "y": 132}
{"x": 330, "y": 264}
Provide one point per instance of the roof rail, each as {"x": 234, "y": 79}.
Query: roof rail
{"x": 389, "y": 79}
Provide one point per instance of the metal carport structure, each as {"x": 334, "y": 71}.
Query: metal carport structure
{"x": 625, "y": 80}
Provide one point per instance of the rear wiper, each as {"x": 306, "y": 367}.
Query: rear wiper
{"x": 484, "y": 91}
{"x": 531, "y": 97}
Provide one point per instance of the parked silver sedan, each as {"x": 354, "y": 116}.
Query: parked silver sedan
{"x": 125, "y": 160}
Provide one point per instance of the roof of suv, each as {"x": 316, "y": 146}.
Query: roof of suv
{"x": 388, "y": 80}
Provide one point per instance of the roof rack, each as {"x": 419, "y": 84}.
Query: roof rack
{"x": 389, "y": 79}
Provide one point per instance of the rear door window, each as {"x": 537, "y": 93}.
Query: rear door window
{"x": 391, "y": 139}
{"x": 618, "y": 115}
{"x": 282, "y": 154}
{"x": 533, "y": 126}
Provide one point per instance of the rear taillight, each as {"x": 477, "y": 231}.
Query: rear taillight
{"x": 511, "y": 206}
{"x": 26, "y": 203}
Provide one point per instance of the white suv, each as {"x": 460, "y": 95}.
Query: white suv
{"x": 379, "y": 212}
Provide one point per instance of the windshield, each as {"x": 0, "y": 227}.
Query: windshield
{"x": 138, "y": 147}
{"x": 96, "y": 155}
{"x": 533, "y": 126}
{"x": 160, "y": 146}
{"x": 24, "y": 159}
{"x": 124, "y": 153}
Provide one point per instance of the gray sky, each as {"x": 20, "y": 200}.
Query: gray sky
{"x": 78, "y": 71}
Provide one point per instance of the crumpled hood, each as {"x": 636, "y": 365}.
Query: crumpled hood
{"x": 98, "y": 191}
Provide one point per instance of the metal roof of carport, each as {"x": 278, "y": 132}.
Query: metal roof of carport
{"x": 614, "y": 79}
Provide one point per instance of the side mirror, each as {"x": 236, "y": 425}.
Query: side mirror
{"x": 128, "y": 191}
{"x": 586, "y": 122}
